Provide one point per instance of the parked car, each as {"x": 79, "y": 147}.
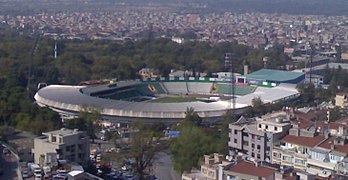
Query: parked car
{"x": 6, "y": 151}
{"x": 60, "y": 177}
{"x": 38, "y": 176}
{"x": 25, "y": 174}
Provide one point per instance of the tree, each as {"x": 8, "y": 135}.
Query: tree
{"x": 258, "y": 106}
{"x": 86, "y": 121}
{"x": 193, "y": 143}
{"x": 192, "y": 117}
{"x": 334, "y": 114}
{"x": 187, "y": 149}
{"x": 144, "y": 145}
{"x": 307, "y": 91}
{"x": 223, "y": 138}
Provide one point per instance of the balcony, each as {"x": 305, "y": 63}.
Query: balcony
{"x": 300, "y": 166}
{"x": 276, "y": 160}
{"x": 318, "y": 163}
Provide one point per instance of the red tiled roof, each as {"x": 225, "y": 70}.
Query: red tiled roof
{"x": 330, "y": 125}
{"x": 303, "y": 141}
{"x": 249, "y": 168}
{"x": 304, "y": 116}
{"x": 303, "y": 124}
{"x": 340, "y": 148}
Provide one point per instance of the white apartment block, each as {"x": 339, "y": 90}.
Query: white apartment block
{"x": 63, "y": 144}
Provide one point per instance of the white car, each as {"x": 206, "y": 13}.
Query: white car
{"x": 25, "y": 174}
{"x": 38, "y": 176}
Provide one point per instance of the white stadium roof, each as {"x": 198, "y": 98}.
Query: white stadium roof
{"x": 70, "y": 99}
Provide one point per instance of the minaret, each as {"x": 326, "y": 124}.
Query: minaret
{"x": 55, "y": 50}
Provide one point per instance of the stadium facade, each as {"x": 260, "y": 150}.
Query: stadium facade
{"x": 167, "y": 99}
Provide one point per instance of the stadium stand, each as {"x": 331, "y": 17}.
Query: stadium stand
{"x": 144, "y": 90}
{"x": 225, "y": 88}
{"x": 176, "y": 87}
{"x": 163, "y": 87}
{"x": 121, "y": 95}
{"x": 199, "y": 88}
{"x": 157, "y": 87}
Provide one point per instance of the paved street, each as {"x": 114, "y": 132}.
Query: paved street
{"x": 164, "y": 168}
{"x": 9, "y": 165}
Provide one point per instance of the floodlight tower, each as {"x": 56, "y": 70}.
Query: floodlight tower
{"x": 229, "y": 66}
{"x": 311, "y": 49}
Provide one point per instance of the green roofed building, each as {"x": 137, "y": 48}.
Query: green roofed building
{"x": 275, "y": 76}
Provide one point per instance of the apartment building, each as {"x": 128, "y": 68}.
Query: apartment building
{"x": 255, "y": 137}
{"x": 214, "y": 167}
{"x": 249, "y": 170}
{"x": 62, "y": 144}
{"x": 341, "y": 100}
{"x": 211, "y": 169}
{"x": 294, "y": 148}
{"x": 307, "y": 150}
{"x": 329, "y": 157}
{"x": 148, "y": 73}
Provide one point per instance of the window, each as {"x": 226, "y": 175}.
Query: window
{"x": 253, "y": 145}
{"x": 258, "y": 147}
{"x": 276, "y": 128}
{"x": 287, "y": 158}
{"x": 335, "y": 157}
{"x": 258, "y": 156}
{"x": 235, "y": 141}
{"x": 72, "y": 148}
{"x": 245, "y": 143}
{"x": 317, "y": 156}
{"x": 266, "y": 126}
{"x": 54, "y": 139}
{"x": 252, "y": 136}
{"x": 300, "y": 161}
{"x": 252, "y": 155}
{"x": 258, "y": 137}
{"x": 260, "y": 125}
{"x": 235, "y": 132}
{"x": 277, "y": 155}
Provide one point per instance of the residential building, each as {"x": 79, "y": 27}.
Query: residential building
{"x": 249, "y": 170}
{"x": 255, "y": 137}
{"x": 309, "y": 151}
{"x": 148, "y": 73}
{"x": 329, "y": 157}
{"x": 63, "y": 144}
{"x": 211, "y": 169}
{"x": 341, "y": 100}
{"x": 294, "y": 149}
{"x": 215, "y": 168}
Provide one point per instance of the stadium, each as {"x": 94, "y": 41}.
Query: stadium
{"x": 166, "y": 99}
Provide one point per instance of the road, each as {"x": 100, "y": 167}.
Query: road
{"x": 9, "y": 165}
{"x": 164, "y": 168}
